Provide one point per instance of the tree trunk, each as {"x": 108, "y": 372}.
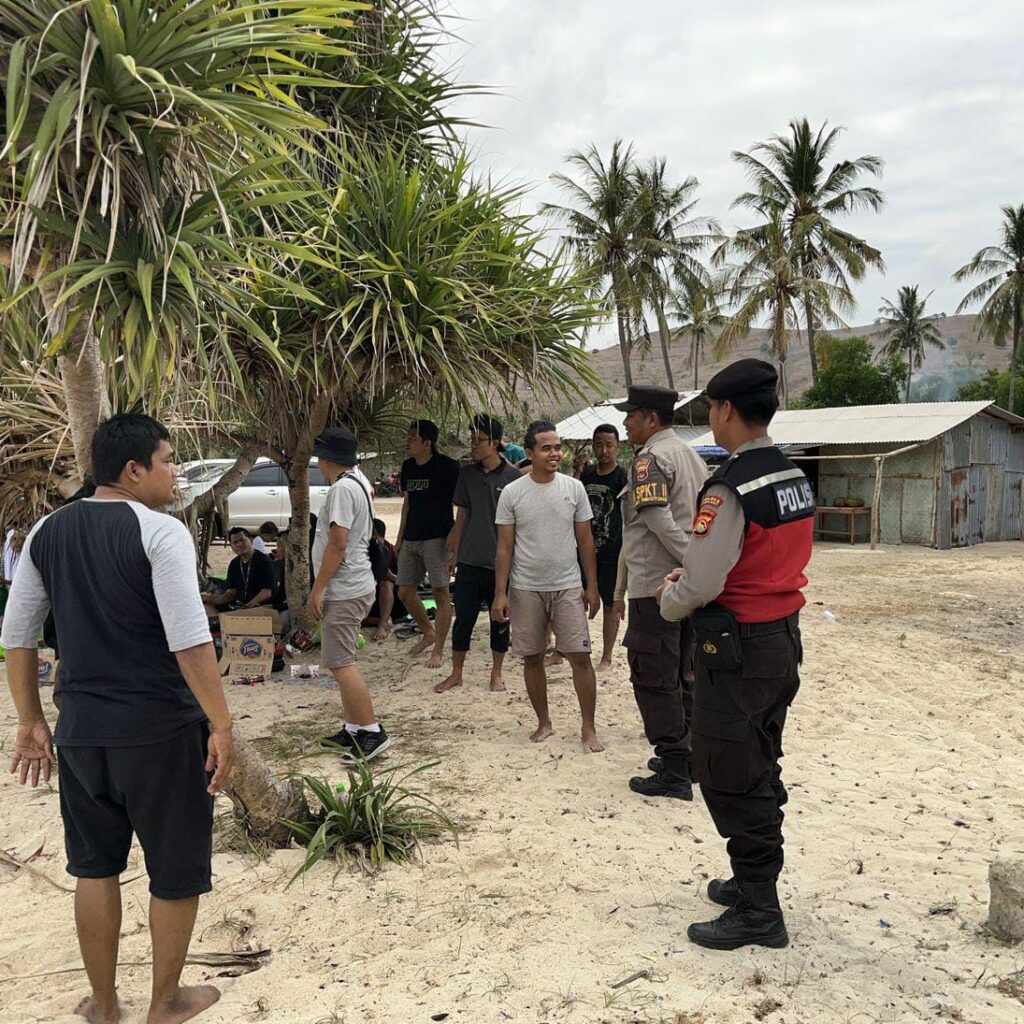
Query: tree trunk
{"x": 296, "y": 466}
{"x": 784, "y": 384}
{"x": 809, "y": 317}
{"x": 1014, "y": 352}
{"x": 664, "y": 336}
{"x": 698, "y": 340}
{"x": 624, "y": 345}
{"x": 82, "y": 374}
{"x": 260, "y": 800}
{"x": 910, "y": 373}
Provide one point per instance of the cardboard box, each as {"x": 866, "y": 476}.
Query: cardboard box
{"x": 247, "y": 643}
{"x": 47, "y": 666}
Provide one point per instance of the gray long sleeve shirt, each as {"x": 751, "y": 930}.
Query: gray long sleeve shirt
{"x": 657, "y": 510}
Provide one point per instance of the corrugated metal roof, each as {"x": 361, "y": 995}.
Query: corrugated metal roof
{"x": 580, "y": 425}
{"x": 872, "y": 424}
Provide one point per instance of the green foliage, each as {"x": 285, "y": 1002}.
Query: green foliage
{"x": 790, "y": 175}
{"x": 372, "y": 820}
{"x": 849, "y": 377}
{"x": 994, "y": 386}
{"x": 907, "y": 330}
{"x": 943, "y": 385}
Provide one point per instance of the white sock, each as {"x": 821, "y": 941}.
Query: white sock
{"x": 375, "y": 727}
{"x": 352, "y": 728}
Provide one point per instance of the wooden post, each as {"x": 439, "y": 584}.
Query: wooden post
{"x": 876, "y": 501}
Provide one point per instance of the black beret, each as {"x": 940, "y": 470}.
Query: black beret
{"x": 649, "y": 396}
{"x": 744, "y": 377}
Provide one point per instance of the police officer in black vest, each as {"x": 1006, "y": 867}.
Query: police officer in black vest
{"x": 742, "y": 578}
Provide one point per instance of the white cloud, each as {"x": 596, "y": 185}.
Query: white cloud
{"x": 936, "y": 89}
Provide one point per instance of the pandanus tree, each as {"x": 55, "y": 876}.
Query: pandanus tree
{"x": 791, "y": 174}
{"x": 1001, "y": 290}
{"x": 907, "y": 330}
{"x": 134, "y": 131}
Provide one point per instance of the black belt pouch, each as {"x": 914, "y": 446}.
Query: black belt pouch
{"x": 718, "y": 638}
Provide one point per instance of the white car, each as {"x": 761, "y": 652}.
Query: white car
{"x": 262, "y": 496}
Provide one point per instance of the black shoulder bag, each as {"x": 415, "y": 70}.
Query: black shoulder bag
{"x": 380, "y": 561}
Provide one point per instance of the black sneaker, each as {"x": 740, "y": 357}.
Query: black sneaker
{"x": 342, "y": 738}
{"x": 661, "y": 784}
{"x": 724, "y": 891}
{"x": 367, "y": 744}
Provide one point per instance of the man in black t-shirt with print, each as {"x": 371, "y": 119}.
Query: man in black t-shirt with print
{"x": 143, "y": 720}
{"x": 428, "y": 480}
{"x": 604, "y": 482}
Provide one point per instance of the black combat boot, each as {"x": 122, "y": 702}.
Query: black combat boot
{"x": 672, "y": 779}
{"x": 657, "y": 764}
{"x": 724, "y": 891}
{"x": 754, "y": 920}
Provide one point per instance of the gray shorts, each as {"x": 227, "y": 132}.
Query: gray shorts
{"x": 530, "y": 613}
{"x": 419, "y": 558}
{"x": 340, "y": 630}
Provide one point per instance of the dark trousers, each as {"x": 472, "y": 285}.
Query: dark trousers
{"x": 658, "y": 655}
{"x": 738, "y": 718}
{"x": 474, "y": 586}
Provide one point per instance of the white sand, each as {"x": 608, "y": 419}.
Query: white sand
{"x": 565, "y": 882}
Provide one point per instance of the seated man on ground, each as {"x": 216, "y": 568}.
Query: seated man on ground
{"x": 386, "y": 608}
{"x": 250, "y": 580}
{"x": 268, "y": 536}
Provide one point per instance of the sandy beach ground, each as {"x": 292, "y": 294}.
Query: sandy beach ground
{"x": 905, "y": 757}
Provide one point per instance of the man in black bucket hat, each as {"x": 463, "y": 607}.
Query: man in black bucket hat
{"x": 344, "y": 588}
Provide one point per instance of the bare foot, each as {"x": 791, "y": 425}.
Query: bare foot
{"x": 382, "y": 634}
{"x": 436, "y": 660}
{"x": 426, "y": 641}
{"x": 591, "y": 743}
{"x": 552, "y": 660}
{"x": 189, "y": 1002}
{"x": 448, "y": 684}
{"x": 96, "y": 1013}
{"x": 497, "y": 684}
{"x": 603, "y": 666}
{"x": 541, "y": 733}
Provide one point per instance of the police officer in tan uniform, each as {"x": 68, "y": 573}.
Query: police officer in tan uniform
{"x": 657, "y": 515}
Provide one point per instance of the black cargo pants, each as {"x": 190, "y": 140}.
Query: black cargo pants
{"x": 659, "y": 656}
{"x": 738, "y": 718}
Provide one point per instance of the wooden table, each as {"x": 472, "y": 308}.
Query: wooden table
{"x": 851, "y": 514}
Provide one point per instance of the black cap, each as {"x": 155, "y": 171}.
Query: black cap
{"x": 649, "y": 396}
{"x": 336, "y": 445}
{"x": 487, "y": 425}
{"x": 744, "y": 377}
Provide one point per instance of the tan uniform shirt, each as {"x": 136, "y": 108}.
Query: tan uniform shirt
{"x": 657, "y": 510}
{"x": 717, "y": 541}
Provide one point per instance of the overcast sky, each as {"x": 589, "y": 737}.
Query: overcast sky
{"x": 933, "y": 87}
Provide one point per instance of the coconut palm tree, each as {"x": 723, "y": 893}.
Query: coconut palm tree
{"x": 791, "y": 173}
{"x": 908, "y": 330}
{"x": 134, "y": 133}
{"x": 1001, "y": 291}
{"x": 603, "y": 224}
{"x": 668, "y": 244}
{"x": 768, "y": 284}
{"x": 696, "y": 309}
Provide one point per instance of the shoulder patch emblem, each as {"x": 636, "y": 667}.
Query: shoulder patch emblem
{"x": 711, "y": 501}
{"x": 702, "y": 523}
{"x": 642, "y": 468}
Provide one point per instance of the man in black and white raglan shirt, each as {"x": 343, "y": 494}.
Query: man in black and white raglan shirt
{"x": 143, "y": 719}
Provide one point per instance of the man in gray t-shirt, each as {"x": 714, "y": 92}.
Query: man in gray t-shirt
{"x": 543, "y": 524}
{"x": 343, "y": 590}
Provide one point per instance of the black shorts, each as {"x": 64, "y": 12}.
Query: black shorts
{"x": 606, "y": 575}
{"x": 157, "y": 791}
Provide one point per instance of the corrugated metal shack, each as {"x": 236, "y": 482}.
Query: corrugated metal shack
{"x": 691, "y": 410}
{"x": 945, "y": 474}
